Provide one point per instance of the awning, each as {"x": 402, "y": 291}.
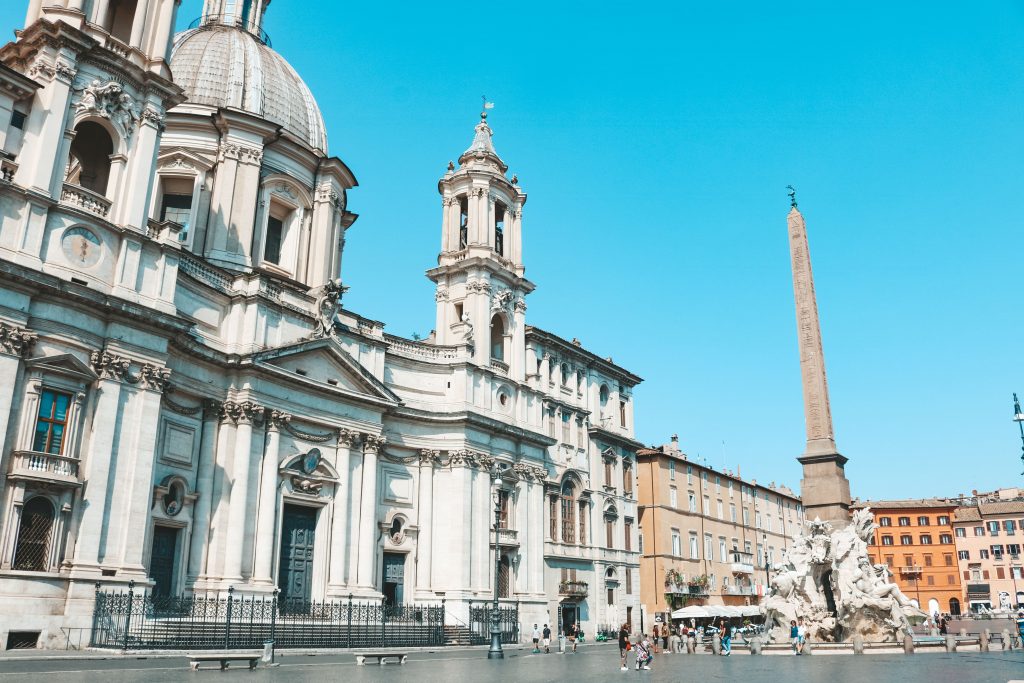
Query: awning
{"x": 692, "y": 612}
{"x": 978, "y": 590}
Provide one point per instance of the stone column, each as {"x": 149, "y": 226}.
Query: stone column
{"x": 266, "y": 522}
{"x": 212, "y": 411}
{"x": 518, "y": 359}
{"x": 425, "y": 508}
{"x": 92, "y": 504}
{"x": 153, "y": 382}
{"x": 338, "y": 575}
{"x": 44, "y": 130}
{"x": 137, "y": 186}
{"x": 245, "y": 414}
{"x": 139, "y": 23}
{"x": 14, "y": 344}
{"x": 368, "y": 510}
{"x": 537, "y": 545}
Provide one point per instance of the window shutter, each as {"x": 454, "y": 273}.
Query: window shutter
{"x": 984, "y": 574}
{"x": 967, "y": 575}
{"x": 1000, "y": 573}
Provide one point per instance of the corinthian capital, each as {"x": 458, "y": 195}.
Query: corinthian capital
{"x": 109, "y": 366}
{"x": 374, "y": 442}
{"x": 277, "y": 419}
{"x": 16, "y": 340}
{"x": 153, "y": 377}
{"x": 347, "y": 437}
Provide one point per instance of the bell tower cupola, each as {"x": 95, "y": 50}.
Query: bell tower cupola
{"x": 480, "y": 277}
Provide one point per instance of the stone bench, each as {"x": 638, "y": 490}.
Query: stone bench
{"x": 194, "y": 660}
{"x": 381, "y": 655}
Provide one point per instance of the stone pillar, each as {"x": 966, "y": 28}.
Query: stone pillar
{"x": 133, "y": 203}
{"x": 203, "y": 509}
{"x": 245, "y": 414}
{"x": 338, "y": 575}
{"x": 755, "y": 646}
{"x": 518, "y": 353}
{"x": 368, "y": 510}
{"x": 136, "y": 512}
{"x": 536, "y": 557}
{"x": 425, "y": 507}
{"x": 266, "y": 522}
{"x": 950, "y": 642}
{"x": 983, "y": 640}
{"x": 1005, "y": 640}
{"x": 44, "y": 130}
{"x": 716, "y": 644}
{"x": 908, "y": 643}
{"x": 92, "y": 504}
{"x": 139, "y": 23}
{"x": 858, "y": 644}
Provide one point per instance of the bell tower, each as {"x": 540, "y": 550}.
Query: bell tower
{"x": 481, "y": 287}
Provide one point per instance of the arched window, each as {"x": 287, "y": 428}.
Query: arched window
{"x": 89, "y": 160}
{"x": 954, "y": 606}
{"x": 122, "y": 16}
{"x": 565, "y": 374}
{"x": 497, "y": 338}
{"x": 603, "y": 394}
{"x": 463, "y": 222}
{"x": 499, "y": 228}
{"x": 504, "y": 577}
{"x": 32, "y": 550}
{"x": 568, "y": 513}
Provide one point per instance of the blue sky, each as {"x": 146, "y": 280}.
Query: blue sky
{"x": 655, "y": 142}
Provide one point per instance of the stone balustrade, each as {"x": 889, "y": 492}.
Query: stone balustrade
{"x": 45, "y": 467}
{"x": 87, "y": 200}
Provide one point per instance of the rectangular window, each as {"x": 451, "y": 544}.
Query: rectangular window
{"x": 886, "y": 540}
{"x": 565, "y": 426}
{"x": 906, "y": 540}
{"x": 732, "y": 512}
{"x": 689, "y": 474}
{"x": 983, "y": 554}
{"x": 945, "y": 539}
{"x": 18, "y": 119}
{"x": 628, "y": 527}
{"x": 922, "y": 521}
{"x": 963, "y": 554}
{"x": 51, "y": 422}
{"x": 639, "y": 543}
{"x": 1009, "y": 527}
{"x": 721, "y": 514}
{"x": 993, "y": 528}
{"x": 930, "y": 580}
{"x": 943, "y": 520}
{"x": 948, "y": 559}
{"x": 272, "y": 245}
{"x": 927, "y": 560}
{"x": 677, "y": 549}
{"x": 553, "y": 514}
{"x": 997, "y": 552}
{"x": 709, "y": 548}
{"x": 960, "y": 532}
{"x": 693, "y": 502}
{"x": 979, "y": 531}
{"x": 951, "y": 579}
{"x": 926, "y": 539}
{"x": 622, "y": 413}
{"x": 629, "y": 581}
{"x": 176, "y": 208}
{"x": 673, "y": 500}
{"x": 694, "y": 549}
{"x": 608, "y": 467}
{"x": 718, "y": 484}
{"x": 611, "y": 596}
{"x": 707, "y": 506}
{"x": 609, "y": 532}
{"x": 1013, "y": 550}
{"x": 671, "y": 470}
{"x": 884, "y": 521}
{"x": 904, "y": 521}
{"x": 721, "y": 550}
{"x": 746, "y": 517}
{"x": 1000, "y": 573}
{"x": 627, "y": 480}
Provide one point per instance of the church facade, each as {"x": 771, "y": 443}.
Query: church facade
{"x": 186, "y": 403}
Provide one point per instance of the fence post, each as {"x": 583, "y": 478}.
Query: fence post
{"x": 348, "y": 637}
{"x": 273, "y": 617}
{"x": 383, "y": 619}
{"x": 227, "y": 625}
{"x": 95, "y": 616}
{"x": 441, "y": 636}
{"x": 128, "y": 619}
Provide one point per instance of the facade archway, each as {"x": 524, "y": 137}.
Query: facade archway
{"x": 497, "y": 338}
{"x": 32, "y": 552}
{"x": 89, "y": 157}
{"x": 954, "y": 606}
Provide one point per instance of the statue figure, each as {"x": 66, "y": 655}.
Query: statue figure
{"x": 468, "y": 338}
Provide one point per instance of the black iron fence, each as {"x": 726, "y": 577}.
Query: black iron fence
{"x": 138, "y": 620}
{"x": 480, "y": 623}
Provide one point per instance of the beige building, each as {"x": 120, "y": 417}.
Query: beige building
{"x": 706, "y": 535}
{"x": 988, "y": 530}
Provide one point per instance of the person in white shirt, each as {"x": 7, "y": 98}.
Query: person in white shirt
{"x": 536, "y": 639}
{"x": 801, "y": 635}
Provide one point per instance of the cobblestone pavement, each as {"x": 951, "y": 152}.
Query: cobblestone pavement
{"x": 593, "y": 663}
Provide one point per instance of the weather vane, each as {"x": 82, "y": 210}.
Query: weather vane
{"x": 792, "y": 195}
{"x": 1018, "y": 417}
{"x": 487, "y": 105}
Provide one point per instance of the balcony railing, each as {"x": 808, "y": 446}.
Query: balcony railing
{"x": 912, "y": 569}
{"x": 691, "y": 590}
{"x": 508, "y": 537}
{"x": 7, "y": 170}
{"x": 576, "y": 589}
{"x": 87, "y": 200}
{"x": 55, "y": 469}
{"x": 499, "y": 366}
{"x": 741, "y": 590}
{"x": 742, "y": 567}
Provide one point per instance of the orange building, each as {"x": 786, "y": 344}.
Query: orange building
{"x": 915, "y": 539}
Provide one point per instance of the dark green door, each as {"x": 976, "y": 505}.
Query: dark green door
{"x": 394, "y": 578}
{"x": 295, "y": 576}
{"x": 162, "y": 560}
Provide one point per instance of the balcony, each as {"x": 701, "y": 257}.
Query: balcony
{"x": 45, "y": 467}
{"x": 499, "y": 366}
{"x": 742, "y": 563}
{"x": 573, "y": 589}
{"x": 7, "y": 170}
{"x": 692, "y": 590}
{"x": 912, "y": 570}
{"x": 86, "y": 200}
{"x": 508, "y": 538}
{"x": 741, "y": 590}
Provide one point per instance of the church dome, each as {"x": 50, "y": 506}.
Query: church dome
{"x": 225, "y": 66}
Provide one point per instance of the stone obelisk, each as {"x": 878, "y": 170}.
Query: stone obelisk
{"x": 824, "y": 488}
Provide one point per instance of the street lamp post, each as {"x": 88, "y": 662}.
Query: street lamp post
{"x": 767, "y": 568}
{"x": 495, "y": 652}
{"x": 1018, "y": 417}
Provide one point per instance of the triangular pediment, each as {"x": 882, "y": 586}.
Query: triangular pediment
{"x": 63, "y": 364}
{"x": 325, "y": 362}
{"x": 182, "y": 159}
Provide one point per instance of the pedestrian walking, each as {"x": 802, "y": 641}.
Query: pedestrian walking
{"x": 655, "y": 633}
{"x": 801, "y": 635}
{"x": 547, "y": 639}
{"x": 943, "y": 626}
{"x": 794, "y": 636}
{"x": 726, "y": 633}
{"x": 574, "y": 631}
{"x": 536, "y": 639}
{"x": 624, "y": 646}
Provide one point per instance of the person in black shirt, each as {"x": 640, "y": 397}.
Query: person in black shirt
{"x": 623, "y": 645}
{"x": 547, "y": 639}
